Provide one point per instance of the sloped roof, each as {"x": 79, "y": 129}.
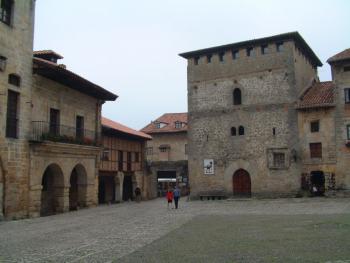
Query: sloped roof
{"x": 295, "y": 36}
{"x": 68, "y": 78}
{"x": 169, "y": 119}
{"x": 341, "y": 56}
{"x": 124, "y": 129}
{"x": 47, "y": 52}
{"x": 319, "y": 95}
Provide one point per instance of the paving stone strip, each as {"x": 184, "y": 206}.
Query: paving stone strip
{"x": 106, "y": 233}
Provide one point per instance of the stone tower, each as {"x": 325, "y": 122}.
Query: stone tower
{"x": 16, "y": 55}
{"x": 340, "y": 65}
{"x": 242, "y": 127}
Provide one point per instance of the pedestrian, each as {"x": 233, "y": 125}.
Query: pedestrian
{"x": 138, "y": 194}
{"x": 176, "y": 197}
{"x": 169, "y": 197}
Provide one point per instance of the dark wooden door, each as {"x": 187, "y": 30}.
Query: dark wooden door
{"x": 241, "y": 183}
{"x": 54, "y": 121}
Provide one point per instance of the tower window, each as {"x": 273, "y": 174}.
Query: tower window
{"x": 250, "y": 51}
{"x": 221, "y": 56}
{"x": 196, "y": 60}
{"x": 316, "y": 150}
{"x": 315, "y": 126}
{"x": 235, "y": 54}
{"x": 274, "y": 131}
{"x": 264, "y": 49}
{"x": 240, "y": 130}
{"x": 279, "y": 46}
{"x": 233, "y": 131}
{"x": 14, "y": 80}
{"x": 6, "y": 11}
{"x": 237, "y": 96}
{"x": 209, "y": 58}
{"x": 11, "y": 120}
{"x": 3, "y": 63}
{"x": 347, "y": 95}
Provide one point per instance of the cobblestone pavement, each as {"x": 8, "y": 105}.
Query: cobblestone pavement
{"x": 107, "y": 233}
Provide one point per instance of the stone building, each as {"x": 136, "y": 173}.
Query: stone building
{"x": 122, "y": 167}
{"x": 243, "y": 123}
{"x": 51, "y": 123}
{"x": 166, "y": 153}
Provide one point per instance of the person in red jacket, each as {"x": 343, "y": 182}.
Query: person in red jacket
{"x": 169, "y": 197}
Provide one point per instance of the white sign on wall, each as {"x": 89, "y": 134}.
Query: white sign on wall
{"x": 208, "y": 166}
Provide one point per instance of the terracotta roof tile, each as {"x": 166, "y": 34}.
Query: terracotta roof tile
{"x": 169, "y": 120}
{"x": 124, "y": 129}
{"x": 344, "y": 55}
{"x": 320, "y": 94}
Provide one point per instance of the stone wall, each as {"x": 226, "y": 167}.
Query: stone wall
{"x": 177, "y": 142}
{"x": 267, "y": 113}
{"x": 16, "y": 44}
{"x": 342, "y": 119}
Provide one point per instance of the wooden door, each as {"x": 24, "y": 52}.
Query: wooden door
{"x": 241, "y": 183}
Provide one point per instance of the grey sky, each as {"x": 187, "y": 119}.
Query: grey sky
{"x": 131, "y": 47}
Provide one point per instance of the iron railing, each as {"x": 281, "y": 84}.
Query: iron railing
{"x": 45, "y": 131}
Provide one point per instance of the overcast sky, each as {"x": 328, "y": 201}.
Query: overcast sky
{"x": 131, "y": 47}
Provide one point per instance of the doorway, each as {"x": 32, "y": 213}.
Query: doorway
{"x": 241, "y": 183}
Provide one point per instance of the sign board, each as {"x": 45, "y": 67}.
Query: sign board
{"x": 208, "y": 165}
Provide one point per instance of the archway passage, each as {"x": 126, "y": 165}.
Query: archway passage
{"x": 77, "y": 190}
{"x": 127, "y": 188}
{"x": 317, "y": 181}
{"x": 106, "y": 189}
{"x": 52, "y": 193}
{"x": 241, "y": 183}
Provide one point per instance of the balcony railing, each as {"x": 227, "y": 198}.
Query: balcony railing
{"x": 45, "y": 131}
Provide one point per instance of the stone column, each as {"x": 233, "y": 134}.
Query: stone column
{"x": 35, "y": 200}
{"x": 91, "y": 195}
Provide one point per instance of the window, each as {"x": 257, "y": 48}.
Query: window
{"x": 209, "y": 58}
{"x": 79, "y": 128}
{"x": 347, "y": 95}
{"x": 279, "y": 46}
{"x": 105, "y": 155}
{"x": 240, "y": 130}
{"x": 54, "y": 121}
{"x": 186, "y": 148}
{"x": 237, "y": 96}
{"x": 120, "y": 161}
{"x": 315, "y": 126}
{"x": 178, "y": 125}
{"x": 163, "y": 149}
{"x": 316, "y": 150}
{"x": 137, "y": 157}
{"x": 348, "y": 131}
{"x": 149, "y": 150}
{"x": 264, "y": 49}
{"x": 221, "y": 56}
{"x": 250, "y": 51}
{"x": 279, "y": 160}
{"x": 157, "y": 125}
{"x": 233, "y": 131}
{"x": 346, "y": 68}
{"x": 274, "y": 131}
{"x": 11, "y": 120}
{"x": 6, "y": 11}
{"x": 235, "y": 54}
{"x": 14, "y": 80}
{"x": 196, "y": 60}
{"x": 3, "y": 63}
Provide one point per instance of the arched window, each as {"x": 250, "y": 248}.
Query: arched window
{"x": 240, "y": 130}
{"x": 237, "y": 96}
{"x": 233, "y": 131}
{"x": 14, "y": 80}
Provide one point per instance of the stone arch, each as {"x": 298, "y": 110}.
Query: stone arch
{"x": 317, "y": 181}
{"x": 232, "y": 167}
{"x": 52, "y": 192}
{"x": 78, "y": 187}
{"x": 241, "y": 183}
{"x": 237, "y": 96}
